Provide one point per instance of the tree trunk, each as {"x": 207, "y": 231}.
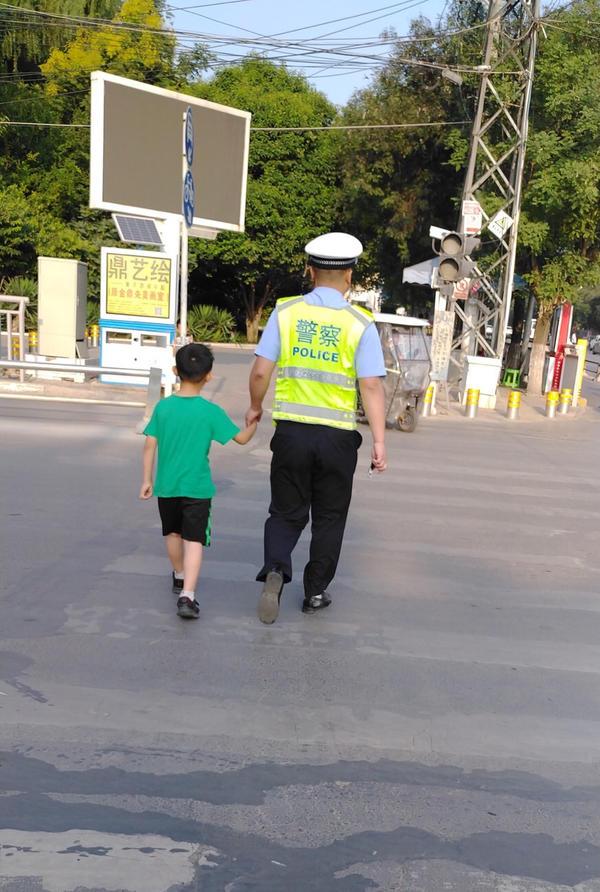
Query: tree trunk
{"x": 531, "y": 307}
{"x": 254, "y": 309}
{"x": 252, "y": 313}
{"x": 252, "y": 326}
{"x": 538, "y": 351}
{"x": 514, "y": 350}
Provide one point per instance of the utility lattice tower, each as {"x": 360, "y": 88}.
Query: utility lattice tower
{"x": 495, "y": 167}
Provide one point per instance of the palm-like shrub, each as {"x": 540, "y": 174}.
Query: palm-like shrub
{"x": 207, "y": 323}
{"x": 21, "y": 286}
{"x": 92, "y": 312}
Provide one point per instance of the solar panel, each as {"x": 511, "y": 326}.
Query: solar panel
{"x": 139, "y": 230}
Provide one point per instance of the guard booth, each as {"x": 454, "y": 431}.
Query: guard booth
{"x": 137, "y": 312}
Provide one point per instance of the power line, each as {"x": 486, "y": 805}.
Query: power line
{"x": 307, "y": 47}
{"x": 258, "y": 41}
{"x": 206, "y": 5}
{"x": 31, "y": 99}
{"x": 349, "y": 71}
{"x": 303, "y": 53}
{"x": 396, "y": 7}
{"x": 414, "y": 126}
{"x": 555, "y": 9}
{"x": 38, "y": 124}
{"x": 580, "y": 34}
{"x": 403, "y": 8}
{"x": 341, "y": 19}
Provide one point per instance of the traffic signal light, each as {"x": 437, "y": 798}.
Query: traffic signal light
{"x": 454, "y": 249}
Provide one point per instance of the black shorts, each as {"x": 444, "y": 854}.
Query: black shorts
{"x": 191, "y": 518}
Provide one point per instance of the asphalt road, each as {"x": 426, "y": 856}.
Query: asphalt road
{"x": 437, "y": 729}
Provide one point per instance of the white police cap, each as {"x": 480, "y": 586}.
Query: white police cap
{"x": 335, "y": 250}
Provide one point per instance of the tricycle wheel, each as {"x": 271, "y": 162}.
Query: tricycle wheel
{"x": 407, "y": 420}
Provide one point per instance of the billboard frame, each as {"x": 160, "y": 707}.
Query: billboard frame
{"x": 136, "y": 321}
{"x": 98, "y": 81}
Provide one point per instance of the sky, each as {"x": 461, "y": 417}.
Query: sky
{"x": 308, "y": 20}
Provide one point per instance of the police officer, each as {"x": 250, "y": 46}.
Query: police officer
{"x": 322, "y": 345}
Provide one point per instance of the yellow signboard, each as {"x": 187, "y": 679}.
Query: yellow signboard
{"x": 138, "y": 285}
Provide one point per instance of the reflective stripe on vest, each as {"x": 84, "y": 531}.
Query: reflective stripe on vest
{"x": 299, "y": 409}
{"x": 317, "y": 378}
{"x": 314, "y": 375}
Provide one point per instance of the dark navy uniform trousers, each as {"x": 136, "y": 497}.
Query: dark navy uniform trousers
{"x": 311, "y": 475}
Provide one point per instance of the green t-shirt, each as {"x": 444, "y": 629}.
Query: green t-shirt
{"x": 185, "y": 427}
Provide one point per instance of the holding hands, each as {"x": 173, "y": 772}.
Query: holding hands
{"x": 253, "y": 416}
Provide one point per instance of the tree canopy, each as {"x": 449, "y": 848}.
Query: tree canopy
{"x": 291, "y": 185}
{"x": 384, "y": 185}
{"x": 560, "y": 230}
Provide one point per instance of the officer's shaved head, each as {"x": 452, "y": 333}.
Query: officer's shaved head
{"x": 340, "y": 279}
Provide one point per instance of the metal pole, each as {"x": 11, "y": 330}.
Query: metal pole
{"x": 427, "y": 401}
{"x": 183, "y": 283}
{"x": 493, "y": 26}
{"x": 495, "y": 161}
{"x": 514, "y": 404}
{"x": 9, "y": 341}
{"x": 551, "y": 404}
{"x": 183, "y": 259}
{"x": 21, "y": 338}
{"x": 472, "y": 405}
{"x": 566, "y": 398}
{"x": 509, "y": 272}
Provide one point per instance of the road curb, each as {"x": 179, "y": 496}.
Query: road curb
{"x": 245, "y": 347}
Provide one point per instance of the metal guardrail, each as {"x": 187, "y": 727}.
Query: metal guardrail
{"x": 72, "y": 368}
{"x": 12, "y": 308}
{"x": 596, "y": 373}
{"x": 154, "y": 376}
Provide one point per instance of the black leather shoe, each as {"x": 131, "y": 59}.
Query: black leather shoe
{"x": 177, "y": 585}
{"x": 268, "y": 605}
{"x": 316, "y": 602}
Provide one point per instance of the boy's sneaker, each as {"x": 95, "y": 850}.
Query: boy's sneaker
{"x": 177, "y": 585}
{"x": 188, "y": 609}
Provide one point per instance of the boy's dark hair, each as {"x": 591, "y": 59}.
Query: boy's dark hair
{"x": 194, "y": 362}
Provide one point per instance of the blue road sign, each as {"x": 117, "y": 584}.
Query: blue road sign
{"x": 189, "y": 136}
{"x": 189, "y": 198}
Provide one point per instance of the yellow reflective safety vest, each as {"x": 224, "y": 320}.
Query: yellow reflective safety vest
{"x": 316, "y": 383}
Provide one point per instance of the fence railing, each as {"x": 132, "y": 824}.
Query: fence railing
{"x": 12, "y": 312}
{"x": 596, "y": 370}
{"x": 153, "y": 375}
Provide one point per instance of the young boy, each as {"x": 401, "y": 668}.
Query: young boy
{"x": 183, "y": 427}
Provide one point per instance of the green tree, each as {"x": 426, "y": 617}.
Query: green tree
{"x": 44, "y": 171}
{"x": 144, "y": 53}
{"x": 560, "y": 230}
{"x": 29, "y": 229}
{"x": 397, "y": 182}
{"x": 31, "y": 29}
{"x": 291, "y": 187}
